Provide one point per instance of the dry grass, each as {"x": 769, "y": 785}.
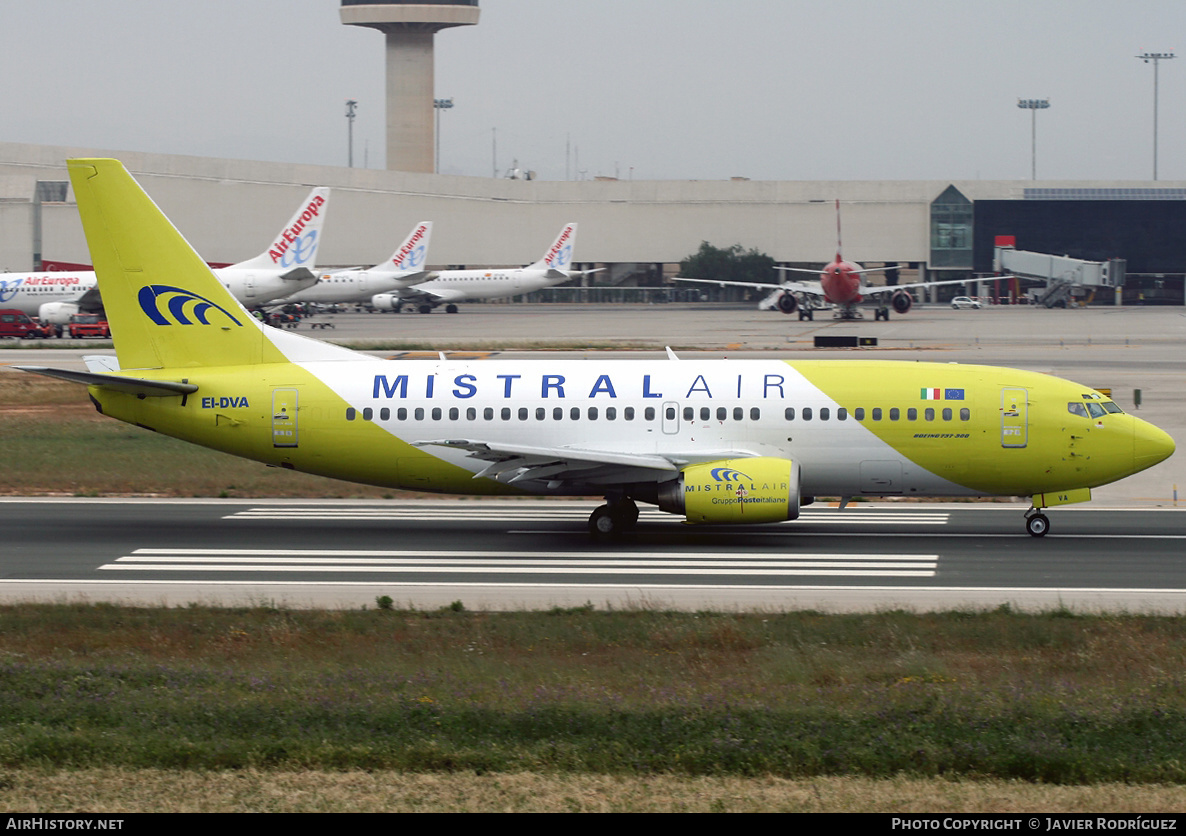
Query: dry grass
{"x": 54, "y": 442}
{"x": 155, "y": 791}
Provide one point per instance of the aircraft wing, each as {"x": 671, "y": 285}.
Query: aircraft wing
{"x": 794, "y": 287}
{"x": 90, "y": 300}
{"x": 881, "y": 290}
{"x": 411, "y": 294}
{"x": 512, "y": 463}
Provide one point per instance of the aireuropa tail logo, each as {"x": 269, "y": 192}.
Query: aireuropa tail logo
{"x": 183, "y": 306}
{"x": 412, "y": 260}
{"x": 728, "y": 474}
{"x": 8, "y": 289}
{"x": 560, "y": 255}
{"x": 295, "y": 246}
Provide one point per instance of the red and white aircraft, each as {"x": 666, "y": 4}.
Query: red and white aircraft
{"x": 840, "y": 285}
{"x": 284, "y": 267}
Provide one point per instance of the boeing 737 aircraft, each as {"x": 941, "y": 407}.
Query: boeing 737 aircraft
{"x": 285, "y": 266}
{"x": 404, "y": 269}
{"x": 448, "y": 287}
{"x": 840, "y": 285}
{"x": 717, "y": 441}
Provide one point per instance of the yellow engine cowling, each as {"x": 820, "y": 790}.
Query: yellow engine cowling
{"x": 737, "y": 491}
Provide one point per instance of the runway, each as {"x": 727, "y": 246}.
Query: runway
{"x": 502, "y": 555}
{"x": 499, "y": 555}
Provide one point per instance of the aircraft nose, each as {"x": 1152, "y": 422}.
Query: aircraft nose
{"x": 1150, "y": 445}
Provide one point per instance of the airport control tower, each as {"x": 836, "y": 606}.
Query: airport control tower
{"x": 410, "y": 28}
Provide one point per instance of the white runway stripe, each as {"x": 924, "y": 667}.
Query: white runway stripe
{"x": 469, "y": 562}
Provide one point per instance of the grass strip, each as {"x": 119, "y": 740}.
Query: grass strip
{"x": 1050, "y": 698}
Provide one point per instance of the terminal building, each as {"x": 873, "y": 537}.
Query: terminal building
{"x": 640, "y": 230}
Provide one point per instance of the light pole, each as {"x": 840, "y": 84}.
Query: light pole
{"x": 351, "y": 104}
{"x": 1033, "y": 106}
{"x": 1155, "y": 57}
{"x": 439, "y": 105}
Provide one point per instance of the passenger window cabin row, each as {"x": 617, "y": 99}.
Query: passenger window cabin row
{"x": 650, "y": 413}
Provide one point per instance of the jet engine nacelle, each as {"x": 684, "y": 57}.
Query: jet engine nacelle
{"x": 57, "y": 313}
{"x": 787, "y": 303}
{"x": 385, "y": 302}
{"x": 902, "y": 301}
{"x": 737, "y": 491}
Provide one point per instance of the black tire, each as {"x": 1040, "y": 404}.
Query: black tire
{"x": 603, "y": 523}
{"x": 1037, "y": 525}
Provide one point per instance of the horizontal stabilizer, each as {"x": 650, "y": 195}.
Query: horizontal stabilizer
{"x": 100, "y": 363}
{"x": 128, "y": 385}
{"x": 298, "y": 274}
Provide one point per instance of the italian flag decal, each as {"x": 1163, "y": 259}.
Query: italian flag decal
{"x": 942, "y": 394}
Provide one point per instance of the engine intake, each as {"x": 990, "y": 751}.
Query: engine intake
{"x": 57, "y": 313}
{"x": 902, "y": 301}
{"x": 386, "y": 302}
{"x": 736, "y": 491}
{"x": 787, "y": 303}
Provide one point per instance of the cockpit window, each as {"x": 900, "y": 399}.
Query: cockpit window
{"x": 1110, "y": 406}
{"x": 1095, "y": 409}
{"x": 1077, "y": 408}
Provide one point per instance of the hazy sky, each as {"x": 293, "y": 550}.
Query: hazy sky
{"x": 654, "y": 89}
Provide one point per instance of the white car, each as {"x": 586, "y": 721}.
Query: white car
{"x": 964, "y": 302}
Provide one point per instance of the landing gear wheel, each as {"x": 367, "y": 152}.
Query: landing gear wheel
{"x": 426, "y": 309}
{"x": 881, "y": 313}
{"x": 806, "y": 315}
{"x": 603, "y": 523}
{"x": 1037, "y": 525}
{"x": 612, "y": 519}
{"x": 450, "y": 309}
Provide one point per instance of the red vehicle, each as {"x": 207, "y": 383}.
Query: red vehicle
{"x": 14, "y": 323}
{"x": 88, "y": 325}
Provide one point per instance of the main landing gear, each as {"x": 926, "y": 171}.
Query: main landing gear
{"x": 1036, "y": 523}
{"x": 615, "y": 517}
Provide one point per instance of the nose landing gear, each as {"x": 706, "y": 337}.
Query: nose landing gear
{"x": 1036, "y": 523}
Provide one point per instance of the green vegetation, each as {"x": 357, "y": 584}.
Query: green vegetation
{"x": 1054, "y": 698}
{"x": 575, "y": 709}
{"x": 52, "y": 441}
{"x": 732, "y": 264}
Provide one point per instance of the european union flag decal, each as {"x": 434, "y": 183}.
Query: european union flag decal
{"x": 942, "y": 394}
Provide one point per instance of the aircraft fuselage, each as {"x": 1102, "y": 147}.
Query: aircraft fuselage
{"x": 853, "y": 427}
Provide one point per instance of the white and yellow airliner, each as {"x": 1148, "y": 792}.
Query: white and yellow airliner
{"x": 719, "y": 441}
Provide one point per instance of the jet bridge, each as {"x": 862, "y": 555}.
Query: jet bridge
{"x": 1067, "y": 280}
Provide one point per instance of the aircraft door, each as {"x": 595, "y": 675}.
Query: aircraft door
{"x": 362, "y": 281}
{"x": 284, "y": 417}
{"x": 1014, "y": 417}
{"x": 249, "y": 285}
{"x": 670, "y": 418}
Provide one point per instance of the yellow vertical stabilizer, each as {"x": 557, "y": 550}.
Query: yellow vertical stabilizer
{"x": 166, "y": 308}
